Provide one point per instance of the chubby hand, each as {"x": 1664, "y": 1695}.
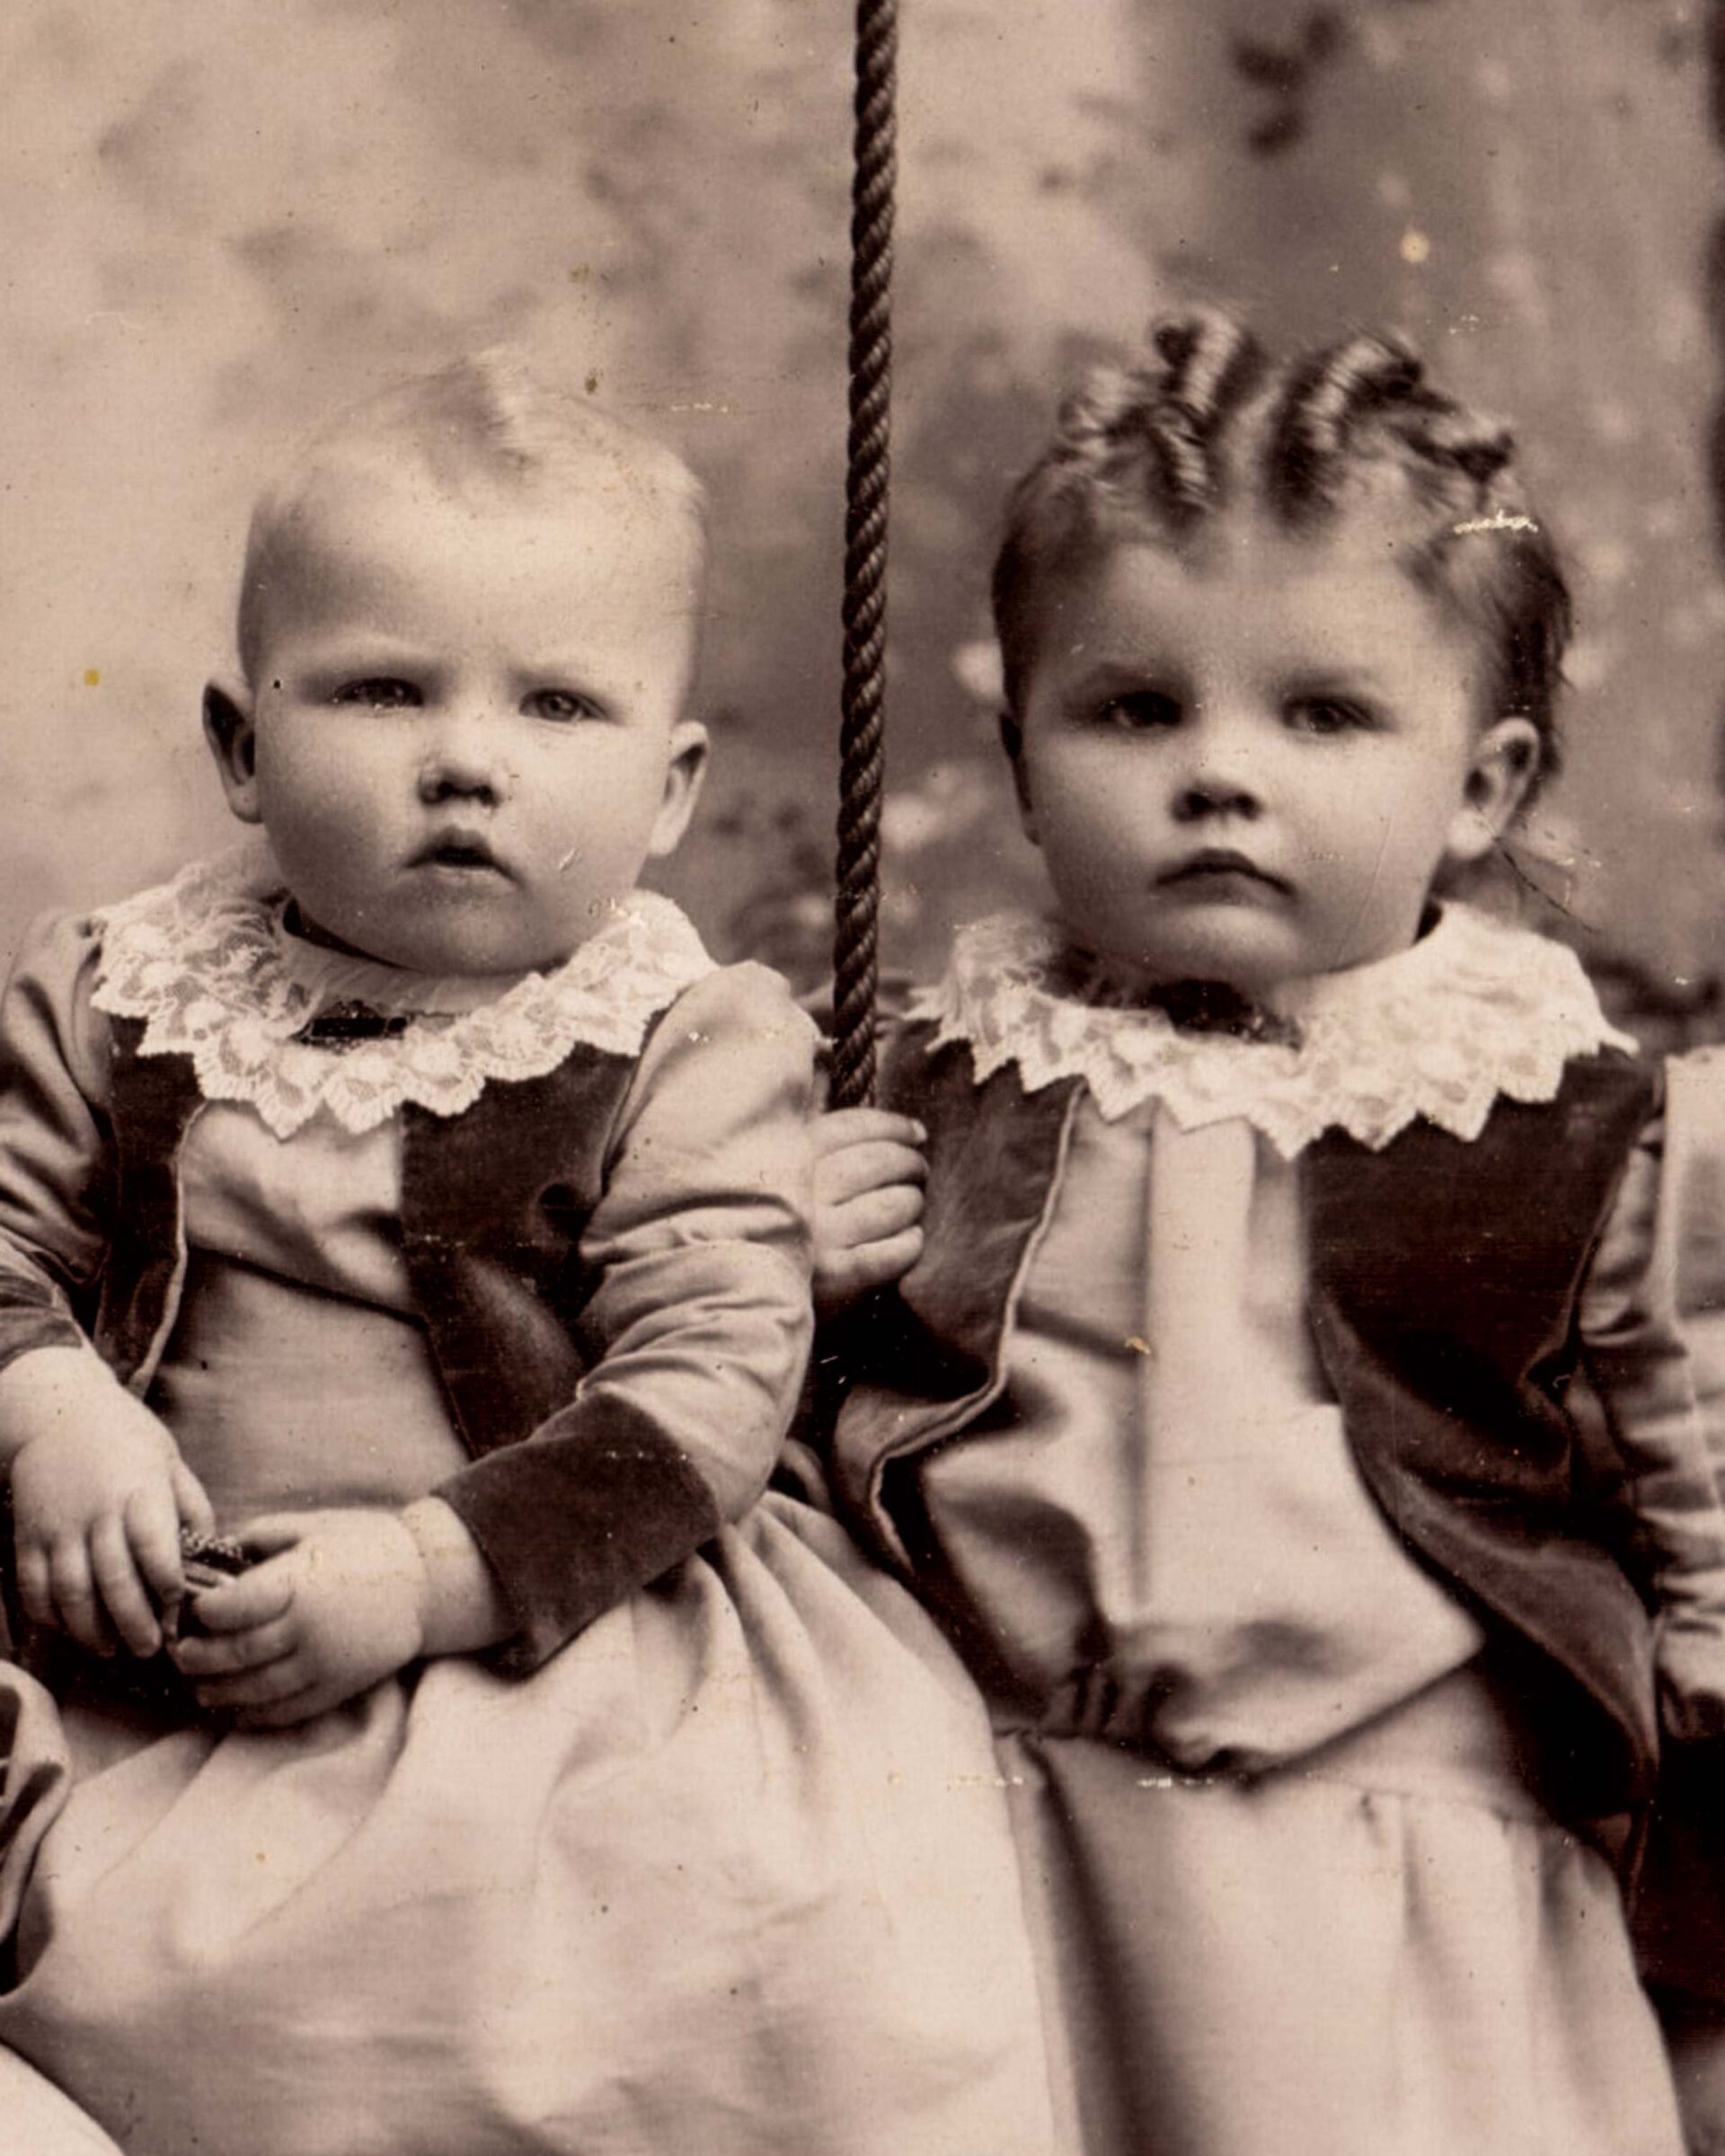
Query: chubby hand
{"x": 868, "y": 1176}
{"x": 98, "y": 1496}
{"x": 336, "y": 1605}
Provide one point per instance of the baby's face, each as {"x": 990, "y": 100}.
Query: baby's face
{"x": 1249, "y": 766}
{"x": 467, "y": 721}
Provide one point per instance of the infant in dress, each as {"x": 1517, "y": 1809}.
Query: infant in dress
{"x": 413, "y": 1199}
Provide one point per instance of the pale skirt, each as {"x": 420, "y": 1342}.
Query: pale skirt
{"x": 1384, "y": 1949}
{"x": 37, "y": 2120}
{"x": 731, "y": 1873}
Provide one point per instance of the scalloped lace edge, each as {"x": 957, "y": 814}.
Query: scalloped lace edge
{"x": 1476, "y": 1011}
{"x": 202, "y": 961}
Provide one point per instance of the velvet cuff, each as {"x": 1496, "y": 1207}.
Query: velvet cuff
{"x": 596, "y": 1504}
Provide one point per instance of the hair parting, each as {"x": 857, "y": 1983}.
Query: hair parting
{"x": 1324, "y": 403}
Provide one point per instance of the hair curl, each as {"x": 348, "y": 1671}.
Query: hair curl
{"x": 1204, "y": 422}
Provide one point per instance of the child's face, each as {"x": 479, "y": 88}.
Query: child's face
{"x": 1249, "y": 766}
{"x": 464, "y": 735}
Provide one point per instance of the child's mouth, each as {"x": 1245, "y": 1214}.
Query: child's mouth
{"x": 458, "y": 850}
{"x": 1221, "y": 863}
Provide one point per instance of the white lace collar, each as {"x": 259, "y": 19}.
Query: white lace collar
{"x": 1476, "y": 1009}
{"x": 206, "y": 962}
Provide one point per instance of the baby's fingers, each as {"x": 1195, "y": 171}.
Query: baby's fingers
{"x": 843, "y": 1127}
{"x": 876, "y": 1215}
{"x": 876, "y": 1166}
{"x": 196, "y": 1511}
{"x": 247, "y": 1690}
{"x": 289, "y": 1712}
{"x": 270, "y": 1533}
{"x": 842, "y": 1276}
{"x": 75, "y": 1603}
{"x": 261, "y": 1596}
{"x": 891, "y": 1259}
{"x": 35, "y": 1582}
{"x": 117, "y": 1548}
{"x": 152, "y": 1519}
{"x": 200, "y": 1655}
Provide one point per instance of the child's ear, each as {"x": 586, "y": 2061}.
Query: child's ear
{"x": 1011, "y": 739}
{"x": 1505, "y": 758}
{"x": 683, "y": 775}
{"x": 232, "y": 733}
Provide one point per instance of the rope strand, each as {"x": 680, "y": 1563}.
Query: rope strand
{"x": 866, "y": 477}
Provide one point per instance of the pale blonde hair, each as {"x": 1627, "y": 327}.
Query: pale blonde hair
{"x": 481, "y": 424}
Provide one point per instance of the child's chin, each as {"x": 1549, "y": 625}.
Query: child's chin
{"x": 475, "y": 957}
{"x": 1254, "y": 964}
{"x": 475, "y": 937}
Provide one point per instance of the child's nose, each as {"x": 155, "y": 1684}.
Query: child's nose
{"x": 1221, "y": 776}
{"x": 463, "y": 764}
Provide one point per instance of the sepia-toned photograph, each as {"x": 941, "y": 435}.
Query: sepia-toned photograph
{"x": 863, "y": 1078}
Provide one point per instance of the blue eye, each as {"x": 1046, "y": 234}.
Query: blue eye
{"x": 561, "y": 705}
{"x": 1141, "y": 711}
{"x": 382, "y": 692}
{"x": 1328, "y": 715}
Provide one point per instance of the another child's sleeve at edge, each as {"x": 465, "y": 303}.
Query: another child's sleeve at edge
{"x": 56, "y": 1163}
{"x": 699, "y": 1325}
{"x": 1654, "y": 1320}
{"x": 1642, "y": 1359}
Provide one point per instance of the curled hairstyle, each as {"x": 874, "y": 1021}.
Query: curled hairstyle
{"x": 1206, "y": 423}
{"x": 482, "y": 427}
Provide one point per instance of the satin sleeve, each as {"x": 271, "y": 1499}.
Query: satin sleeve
{"x": 1695, "y": 1148}
{"x": 697, "y": 1331}
{"x": 56, "y": 1171}
{"x": 1678, "y": 1900}
{"x": 1659, "y": 1389}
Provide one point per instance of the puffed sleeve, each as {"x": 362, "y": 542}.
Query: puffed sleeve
{"x": 699, "y": 1325}
{"x": 56, "y": 1159}
{"x": 1650, "y": 1388}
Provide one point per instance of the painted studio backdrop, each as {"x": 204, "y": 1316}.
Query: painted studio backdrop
{"x": 218, "y": 218}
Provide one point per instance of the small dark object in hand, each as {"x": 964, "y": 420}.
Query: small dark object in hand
{"x": 207, "y": 1560}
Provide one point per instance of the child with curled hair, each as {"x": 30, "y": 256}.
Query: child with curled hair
{"x": 412, "y": 1199}
{"x": 1284, "y": 1405}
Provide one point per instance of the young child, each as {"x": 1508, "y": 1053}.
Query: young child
{"x": 417, "y": 1202}
{"x": 1284, "y": 1409}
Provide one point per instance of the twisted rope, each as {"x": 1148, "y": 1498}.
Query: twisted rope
{"x": 862, "y": 762}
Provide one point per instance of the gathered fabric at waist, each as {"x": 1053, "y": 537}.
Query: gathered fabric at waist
{"x": 1389, "y": 1943}
{"x": 1460, "y": 1739}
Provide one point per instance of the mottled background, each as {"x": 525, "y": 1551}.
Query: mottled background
{"x": 219, "y": 217}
